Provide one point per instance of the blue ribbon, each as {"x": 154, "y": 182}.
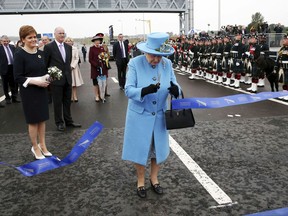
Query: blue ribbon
{"x": 233, "y": 100}
{"x": 49, "y": 163}
{"x": 275, "y": 212}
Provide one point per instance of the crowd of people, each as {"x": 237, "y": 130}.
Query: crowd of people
{"x": 231, "y": 59}
{"x": 150, "y": 78}
{"x": 147, "y": 80}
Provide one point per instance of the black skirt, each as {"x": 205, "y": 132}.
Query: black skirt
{"x": 35, "y": 104}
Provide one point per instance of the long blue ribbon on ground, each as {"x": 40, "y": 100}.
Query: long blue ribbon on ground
{"x": 39, "y": 166}
{"x": 238, "y": 99}
{"x": 275, "y": 212}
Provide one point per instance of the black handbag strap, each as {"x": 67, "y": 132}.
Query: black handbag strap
{"x": 182, "y": 95}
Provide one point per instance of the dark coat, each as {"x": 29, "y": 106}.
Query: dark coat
{"x": 96, "y": 63}
{"x": 4, "y": 60}
{"x": 53, "y": 57}
{"x": 117, "y": 52}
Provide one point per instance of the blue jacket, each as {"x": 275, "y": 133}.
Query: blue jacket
{"x": 145, "y": 116}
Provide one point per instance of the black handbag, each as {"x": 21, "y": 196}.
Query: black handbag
{"x": 176, "y": 119}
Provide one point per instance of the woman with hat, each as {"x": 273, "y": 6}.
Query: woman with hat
{"x": 98, "y": 65}
{"x": 149, "y": 81}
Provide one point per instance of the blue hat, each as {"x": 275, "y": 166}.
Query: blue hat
{"x": 156, "y": 44}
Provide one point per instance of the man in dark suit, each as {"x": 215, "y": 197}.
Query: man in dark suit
{"x": 121, "y": 56}
{"x": 59, "y": 54}
{"x": 6, "y": 70}
{"x": 84, "y": 52}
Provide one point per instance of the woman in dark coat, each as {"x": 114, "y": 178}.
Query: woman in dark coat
{"x": 98, "y": 66}
{"x": 30, "y": 73}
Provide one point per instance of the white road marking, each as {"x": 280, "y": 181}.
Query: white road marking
{"x": 115, "y": 80}
{"x": 212, "y": 188}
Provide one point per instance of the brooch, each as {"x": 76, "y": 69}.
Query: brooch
{"x": 39, "y": 56}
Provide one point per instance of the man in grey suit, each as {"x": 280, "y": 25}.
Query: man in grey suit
{"x": 59, "y": 54}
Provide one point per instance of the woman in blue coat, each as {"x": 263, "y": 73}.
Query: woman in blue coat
{"x": 149, "y": 81}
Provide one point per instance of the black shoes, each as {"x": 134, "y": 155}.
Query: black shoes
{"x": 2, "y": 105}
{"x": 60, "y": 127}
{"x": 73, "y": 125}
{"x": 157, "y": 188}
{"x": 15, "y": 100}
{"x": 141, "y": 192}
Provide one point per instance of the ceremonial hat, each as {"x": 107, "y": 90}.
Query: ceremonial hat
{"x": 156, "y": 44}
{"x": 97, "y": 36}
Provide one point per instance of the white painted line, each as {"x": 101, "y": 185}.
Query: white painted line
{"x": 212, "y": 188}
{"x": 181, "y": 73}
{"x": 114, "y": 79}
{"x": 2, "y": 98}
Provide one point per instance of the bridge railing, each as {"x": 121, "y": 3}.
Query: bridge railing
{"x": 74, "y": 6}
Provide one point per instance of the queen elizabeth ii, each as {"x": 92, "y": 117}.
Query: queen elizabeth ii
{"x": 149, "y": 81}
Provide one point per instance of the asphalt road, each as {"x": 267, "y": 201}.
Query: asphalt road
{"x": 242, "y": 150}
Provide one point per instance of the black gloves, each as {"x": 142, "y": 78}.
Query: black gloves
{"x": 173, "y": 90}
{"x": 152, "y": 88}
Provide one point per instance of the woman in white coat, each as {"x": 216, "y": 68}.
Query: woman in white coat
{"x": 77, "y": 79}
{"x": 149, "y": 80}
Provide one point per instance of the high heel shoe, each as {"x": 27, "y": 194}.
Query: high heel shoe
{"x": 47, "y": 154}
{"x": 37, "y": 157}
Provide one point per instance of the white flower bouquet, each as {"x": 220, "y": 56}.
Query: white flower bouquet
{"x": 54, "y": 73}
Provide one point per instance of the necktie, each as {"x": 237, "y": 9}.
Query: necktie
{"x": 10, "y": 57}
{"x": 61, "y": 47}
{"x": 122, "y": 49}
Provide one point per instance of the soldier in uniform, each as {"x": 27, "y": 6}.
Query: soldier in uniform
{"x": 217, "y": 64}
{"x": 264, "y": 54}
{"x": 201, "y": 58}
{"x": 245, "y": 77}
{"x": 253, "y": 54}
{"x": 226, "y": 55}
{"x": 207, "y": 55}
{"x": 177, "y": 49}
{"x": 282, "y": 65}
{"x": 236, "y": 61}
{"x": 193, "y": 52}
{"x": 212, "y": 66}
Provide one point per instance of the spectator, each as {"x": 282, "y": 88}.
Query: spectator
{"x": 278, "y": 30}
{"x": 30, "y": 72}
{"x": 98, "y": 66}
{"x": 84, "y": 52}
{"x": 120, "y": 54}
{"x": 76, "y": 73}
{"x": 59, "y": 54}
{"x": 6, "y": 70}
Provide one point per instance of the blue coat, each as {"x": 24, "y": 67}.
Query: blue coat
{"x": 145, "y": 116}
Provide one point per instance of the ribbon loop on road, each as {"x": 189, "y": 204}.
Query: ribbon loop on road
{"x": 233, "y": 100}
{"x": 49, "y": 163}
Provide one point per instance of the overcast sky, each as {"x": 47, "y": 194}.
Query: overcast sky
{"x": 205, "y": 12}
